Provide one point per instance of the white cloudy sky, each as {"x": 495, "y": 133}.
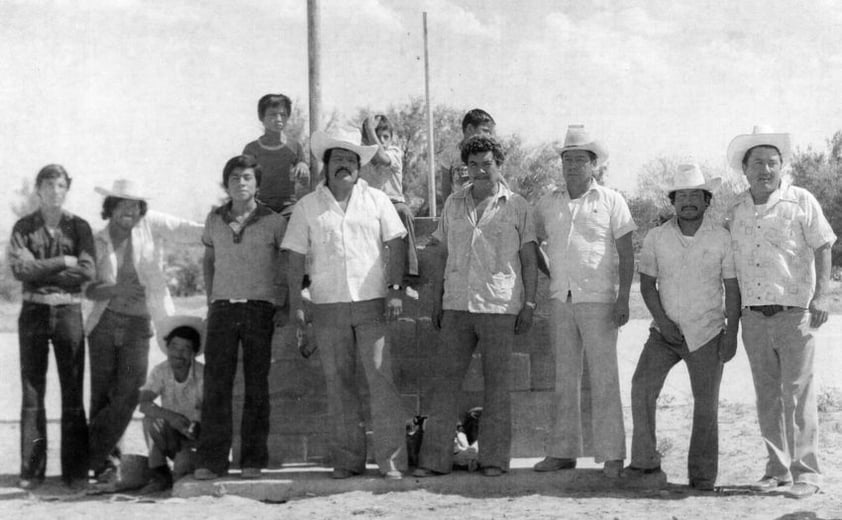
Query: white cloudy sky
{"x": 165, "y": 90}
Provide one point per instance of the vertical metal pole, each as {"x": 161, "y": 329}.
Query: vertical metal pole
{"x": 431, "y": 150}
{"x": 314, "y": 43}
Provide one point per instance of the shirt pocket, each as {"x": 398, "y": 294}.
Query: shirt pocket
{"x": 780, "y": 232}
{"x": 502, "y": 286}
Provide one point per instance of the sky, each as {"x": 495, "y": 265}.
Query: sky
{"x": 165, "y": 91}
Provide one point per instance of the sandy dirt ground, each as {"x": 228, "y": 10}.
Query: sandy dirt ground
{"x": 742, "y": 458}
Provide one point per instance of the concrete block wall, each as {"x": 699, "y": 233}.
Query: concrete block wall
{"x": 299, "y": 421}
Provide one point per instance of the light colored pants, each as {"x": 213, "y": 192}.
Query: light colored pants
{"x": 346, "y": 333}
{"x": 585, "y": 331}
{"x": 780, "y": 351}
{"x": 705, "y": 369}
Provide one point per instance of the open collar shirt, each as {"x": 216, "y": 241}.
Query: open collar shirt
{"x": 345, "y": 248}
{"x": 580, "y": 237}
{"x": 690, "y": 272}
{"x": 774, "y": 248}
{"x": 483, "y": 272}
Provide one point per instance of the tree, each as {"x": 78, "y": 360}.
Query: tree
{"x": 28, "y": 199}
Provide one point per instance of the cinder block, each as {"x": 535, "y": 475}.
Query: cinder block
{"x": 542, "y": 371}
{"x": 286, "y": 448}
{"x": 530, "y": 423}
{"x": 401, "y": 337}
{"x": 411, "y": 404}
{"x": 519, "y": 372}
{"x": 318, "y": 448}
{"x": 406, "y": 374}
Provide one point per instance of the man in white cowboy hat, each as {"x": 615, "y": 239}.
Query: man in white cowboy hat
{"x": 782, "y": 244}
{"x": 52, "y": 252}
{"x": 246, "y": 291}
{"x": 130, "y": 296}
{"x": 345, "y": 227}
{"x": 684, "y": 265}
{"x": 588, "y": 233}
{"x": 172, "y": 427}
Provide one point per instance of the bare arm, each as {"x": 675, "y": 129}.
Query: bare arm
{"x": 818, "y": 306}
{"x": 394, "y": 276}
{"x": 529, "y": 271}
{"x": 208, "y": 271}
{"x": 295, "y": 278}
{"x": 147, "y": 406}
{"x": 733, "y": 303}
{"x": 370, "y": 137}
{"x": 625, "y": 252}
{"x": 437, "y": 281}
{"x": 652, "y": 298}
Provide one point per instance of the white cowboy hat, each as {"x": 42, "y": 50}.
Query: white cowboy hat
{"x": 760, "y": 135}
{"x": 578, "y": 138}
{"x": 690, "y": 177}
{"x": 124, "y": 189}
{"x": 170, "y": 323}
{"x": 341, "y": 138}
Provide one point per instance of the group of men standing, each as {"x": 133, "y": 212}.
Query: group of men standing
{"x": 771, "y": 271}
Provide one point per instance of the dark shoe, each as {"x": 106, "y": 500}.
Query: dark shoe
{"x": 801, "y": 490}
{"x": 204, "y": 474}
{"x": 30, "y": 483}
{"x": 702, "y": 485}
{"x": 634, "y": 471}
{"x": 75, "y": 484}
{"x": 339, "y": 473}
{"x": 492, "y": 471}
{"x": 768, "y": 483}
{"x": 554, "y": 464}
{"x": 424, "y": 473}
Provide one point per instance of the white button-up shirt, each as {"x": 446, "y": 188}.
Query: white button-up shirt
{"x": 483, "y": 272}
{"x": 580, "y": 235}
{"x": 345, "y": 248}
{"x": 690, "y": 271}
{"x": 774, "y": 249}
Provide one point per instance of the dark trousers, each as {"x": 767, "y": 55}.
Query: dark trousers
{"x": 462, "y": 333}
{"x": 119, "y": 352}
{"x": 408, "y": 220}
{"x": 229, "y": 326}
{"x": 38, "y": 325}
{"x": 705, "y": 370}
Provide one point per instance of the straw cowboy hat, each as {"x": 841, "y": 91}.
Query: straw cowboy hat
{"x": 578, "y": 138}
{"x": 760, "y": 135}
{"x": 690, "y": 177}
{"x": 341, "y": 138}
{"x": 170, "y": 323}
{"x": 124, "y": 189}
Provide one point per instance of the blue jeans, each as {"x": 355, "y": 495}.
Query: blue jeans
{"x": 347, "y": 333}
{"x": 461, "y": 334}
{"x": 119, "y": 352}
{"x": 705, "y": 370}
{"x": 38, "y": 325}
{"x": 230, "y": 325}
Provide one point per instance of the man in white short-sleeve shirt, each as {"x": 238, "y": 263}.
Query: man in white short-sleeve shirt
{"x": 345, "y": 227}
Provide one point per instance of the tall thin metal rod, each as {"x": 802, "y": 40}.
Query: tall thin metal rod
{"x": 314, "y": 50}
{"x": 431, "y": 150}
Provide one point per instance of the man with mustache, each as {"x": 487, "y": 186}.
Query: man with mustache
{"x": 683, "y": 266}
{"x": 483, "y": 294}
{"x": 343, "y": 228}
{"x": 782, "y": 244}
{"x": 588, "y": 230}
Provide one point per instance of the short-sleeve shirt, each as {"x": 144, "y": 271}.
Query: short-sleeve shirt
{"x": 277, "y": 187}
{"x": 247, "y": 264}
{"x": 184, "y": 398}
{"x": 387, "y": 178}
{"x": 580, "y": 235}
{"x": 690, "y": 273}
{"x": 483, "y": 272}
{"x": 345, "y": 248}
{"x": 774, "y": 249}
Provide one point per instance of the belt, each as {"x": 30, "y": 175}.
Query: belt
{"x": 240, "y": 300}
{"x": 59, "y": 298}
{"x": 771, "y": 310}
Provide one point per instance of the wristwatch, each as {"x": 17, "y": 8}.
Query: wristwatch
{"x": 531, "y": 305}
{"x": 395, "y": 287}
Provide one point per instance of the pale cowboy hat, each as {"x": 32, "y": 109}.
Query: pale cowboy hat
{"x": 578, "y": 138}
{"x": 341, "y": 138}
{"x": 124, "y": 189}
{"x": 760, "y": 135}
{"x": 170, "y": 323}
{"x": 690, "y": 177}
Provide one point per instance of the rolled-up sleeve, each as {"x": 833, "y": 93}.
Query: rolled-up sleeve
{"x": 297, "y": 235}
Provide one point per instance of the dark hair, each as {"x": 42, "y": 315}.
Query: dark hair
{"x": 480, "y": 144}
{"x": 383, "y": 124}
{"x": 271, "y": 101}
{"x": 110, "y": 203}
{"x": 241, "y": 161}
{"x": 748, "y": 153}
{"x": 590, "y": 154}
{"x": 708, "y": 196}
{"x": 326, "y": 158}
{"x": 188, "y": 333}
{"x": 51, "y": 171}
{"x": 476, "y": 117}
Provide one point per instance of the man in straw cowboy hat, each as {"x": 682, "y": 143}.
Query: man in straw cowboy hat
{"x": 345, "y": 227}
{"x": 782, "y": 244}
{"x": 52, "y": 252}
{"x": 684, "y": 265}
{"x": 130, "y": 296}
{"x": 246, "y": 291}
{"x": 172, "y": 427}
{"x": 588, "y": 230}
